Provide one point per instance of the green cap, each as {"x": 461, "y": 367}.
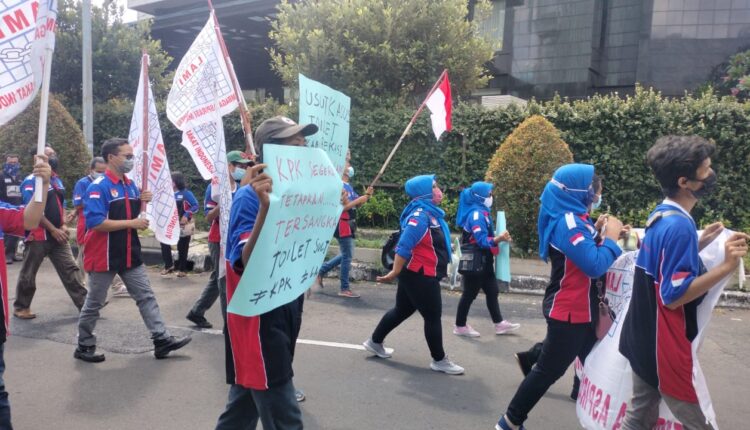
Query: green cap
{"x": 238, "y": 157}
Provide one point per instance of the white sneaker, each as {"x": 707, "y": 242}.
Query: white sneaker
{"x": 376, "y": 348}
{"x": 446, "y": 366}
{"x": 466, "y": 331}
{"x": 504, "y": 327}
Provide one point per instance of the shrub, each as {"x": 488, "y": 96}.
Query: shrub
{"x": 378, "y": 211}
{"x": 520, "y": 168}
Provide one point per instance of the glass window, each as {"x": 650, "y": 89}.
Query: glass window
{"x": 494, "y": 25}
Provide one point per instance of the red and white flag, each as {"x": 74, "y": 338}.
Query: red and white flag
{"x": 27, "y": 30}
{"x": 162, "y": 211}
{"x": 440, "y": 105}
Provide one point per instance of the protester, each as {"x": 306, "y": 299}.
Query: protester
{"x": 13, "y": 221}
{"x": 10, "y": 192}
{"x": 345, "y": 235}
{"x": 670, "y": 282}
{"x": 50, "y": 239}
{"x": 567, "y": 237}
{"x": 260, "y": 349}
{"x": 422, "y": 256}
{"x": 97, "y": 167}
{"x": 216, "y": 287}
{"x": 474, "y": 219}
{"x": 112, "y": 206}
{"x": 187, "y": 205}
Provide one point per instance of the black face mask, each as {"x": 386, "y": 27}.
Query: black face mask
{"x": 54, "y": 163}
{"x": 709, "y": 185}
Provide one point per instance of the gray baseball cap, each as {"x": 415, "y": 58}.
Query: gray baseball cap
{"x": 281, "y": 127}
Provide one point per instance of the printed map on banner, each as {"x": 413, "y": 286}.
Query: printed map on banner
{"x": 329, "y": 110}
{"x": 606, "y": 377}
{"x": 304, "y": 210}
{"x": 212, "y": 134}
{"x": 26, "y": 28}
{"x": 162, "y": 211}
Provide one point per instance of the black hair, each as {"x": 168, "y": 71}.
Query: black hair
{"x": 112, "y": 147}
{"x": 596, "y": 183}
{"x": 95, "y": 161}
{"x": 12, "y": 155}
{"x": 179, "y": 180}
{"x": 674, "y": 157}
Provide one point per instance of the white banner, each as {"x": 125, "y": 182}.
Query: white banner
{"x": 606, "y": 378}
{"x": 162, "y": 211}
{"x": 27, "y": 29}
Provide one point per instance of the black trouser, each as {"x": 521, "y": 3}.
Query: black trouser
{"x": 416, "y": 293}
{"x": 486, "y": 282}
{"x": 564, "y": 342}
{"x": 11, "y": 244}
{"x": 182, "y": 252}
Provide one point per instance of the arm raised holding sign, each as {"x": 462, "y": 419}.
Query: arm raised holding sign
{"x": 262, "y": 184}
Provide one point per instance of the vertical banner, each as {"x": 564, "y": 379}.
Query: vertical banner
{"x": 27, "y": 31}
{"x": 162, "y": 211}
{"x": 329, "y": 110}
{"x": 305, "y": 206}
{"x": 502, "y": 261}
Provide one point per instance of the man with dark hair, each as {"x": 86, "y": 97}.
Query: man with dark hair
{"x": 111, "y": 206}
{"x": 10, "y": 192}
{"x": 670, "y": 282}
{"x": 49, "y": 240}
{"x": 260, "y": 349}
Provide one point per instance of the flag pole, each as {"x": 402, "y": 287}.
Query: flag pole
{"x": 244, "y": 114}
{"x": 43, "y": 108}
{"x": 146, "y": 118}
{"x": 408, "y": 128}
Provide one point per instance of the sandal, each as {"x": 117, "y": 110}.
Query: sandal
{"x": 167, "y": 271}
{"x": 181, "y": 274}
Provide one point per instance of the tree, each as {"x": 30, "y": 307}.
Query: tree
{"x": 381, "y": 48}
{"x": 738, "y": 74}
{"x": 520, "y": 168}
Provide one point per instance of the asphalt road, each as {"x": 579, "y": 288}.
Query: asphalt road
{"x": 346, "y": 388}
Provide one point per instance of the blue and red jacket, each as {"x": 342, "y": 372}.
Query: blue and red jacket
{"x": 214, "y": 233}
{"x": 344, "y": 228}
{"x": 78, "y": 193}
{"x": 422, "y": 244}
{"x": 11, "y": 222}
{"x": 53, "y": 210}
{"x": 655, "y": 339}
{"x": 187, "y": 204}
{"x": 259, "y": 349}
{"x": 478, "y": 231}
{"x": 109, "y": 197}
{"x": 577, "y": 257}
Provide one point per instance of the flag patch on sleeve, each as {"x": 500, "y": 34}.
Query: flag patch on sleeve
{"x": 679, "y": 278}
{"x": 576, "y": 239}
{"x": 476, "y": 229}
{"x": 28, "y": 188}
{"x": 412, "y": 222}
{"x": 94, "y": 195}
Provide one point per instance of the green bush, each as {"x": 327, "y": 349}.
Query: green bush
{"x": 379, "y": 211}
{"x": 519, "y": 169}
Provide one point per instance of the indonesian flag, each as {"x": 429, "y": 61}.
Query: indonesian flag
{"x": 27, "y": 30}
{"x": 440, "y": 105}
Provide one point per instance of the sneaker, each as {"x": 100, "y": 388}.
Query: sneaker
{"x": 163, "y": 347}
{"x": 199, "y": 320}
{"x": 504, "y": 327}
{"x": 446, "y": 366}
{"x": 121, "y": 291}
{"x": 467, "y": 331}
{"x": 88, "y": 354}
{"x": 348, "y": 293}
{"x": 504, "y": 425}
{"x": 524, "y": 362}
{"x": 299, "y": 395}
{"x": 376, "y": 348}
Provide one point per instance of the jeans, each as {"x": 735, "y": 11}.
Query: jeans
{"x": 182, "y": 253}
{"x": 216, "y": 287}
{"x": 137, "y": 283}
{"x": 416, "y": 293}
{"x": 4, "y": 402}
{"x": 486, "y": 282}
{"x": 346, "y": 249}
{"x": 276, "y": 408}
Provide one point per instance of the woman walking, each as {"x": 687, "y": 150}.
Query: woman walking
{"x": 187, "y": 205}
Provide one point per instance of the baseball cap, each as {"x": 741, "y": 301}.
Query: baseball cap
{"x": 237, "y": 157}
{"x": 281, "y": 127}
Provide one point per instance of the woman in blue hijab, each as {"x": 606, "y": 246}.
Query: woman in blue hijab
{"x": 474, "y": 219}
{"x": 569, "y": 240}
{"x": 422, "y": 256}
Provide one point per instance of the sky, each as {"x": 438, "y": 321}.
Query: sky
{"x": 130, "y": 15}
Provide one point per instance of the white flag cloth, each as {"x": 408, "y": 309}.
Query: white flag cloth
{"x": 162, "y": 211}
{"x": 440, "y": 105}
{"x": 27, "y": 30}
{"x": 201, "y": 78}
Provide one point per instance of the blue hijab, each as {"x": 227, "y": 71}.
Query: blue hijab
{"x": 569, "y": 190}
{"x": 472, "y": 199}
{"x": 419, "y": 188}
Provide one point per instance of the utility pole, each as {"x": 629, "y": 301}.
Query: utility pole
{"x": 88, "y": 99}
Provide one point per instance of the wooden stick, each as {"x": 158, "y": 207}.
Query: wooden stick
{"x": 41, "y": 141}
{"x": 145, "y": 132}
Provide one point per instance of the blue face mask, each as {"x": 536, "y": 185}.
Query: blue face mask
{"x": 596, "y": 205}
{"x": 11, "y": 169}
{"x": 350, "y": 172}
{"x": 238, "y": 174}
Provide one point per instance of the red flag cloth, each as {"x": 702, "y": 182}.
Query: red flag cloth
{"x": 440, "y": 105}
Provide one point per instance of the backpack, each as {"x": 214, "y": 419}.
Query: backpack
{"x": 388, "y": 255}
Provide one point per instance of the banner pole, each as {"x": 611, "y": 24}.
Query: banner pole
{"x": 145, "y": 132}
{"x": 244, "y": 114}
{"x": 43, "y": 108}
{"x": 408, "y": 128}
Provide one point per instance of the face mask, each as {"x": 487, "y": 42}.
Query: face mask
{"x": 54, "y": 163}
{"x": 709, "y": 184}
{"x": 95, "y": 175}
{"x": 11, "y": 169}
{"x": 238, "y": 174}
{"x": 350, "y": 172}
{"x": 437, "y": 196}
{"x": 596, "y": 205}
{"x": 126, "y": 166}
{"x": 488, "y": 202}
